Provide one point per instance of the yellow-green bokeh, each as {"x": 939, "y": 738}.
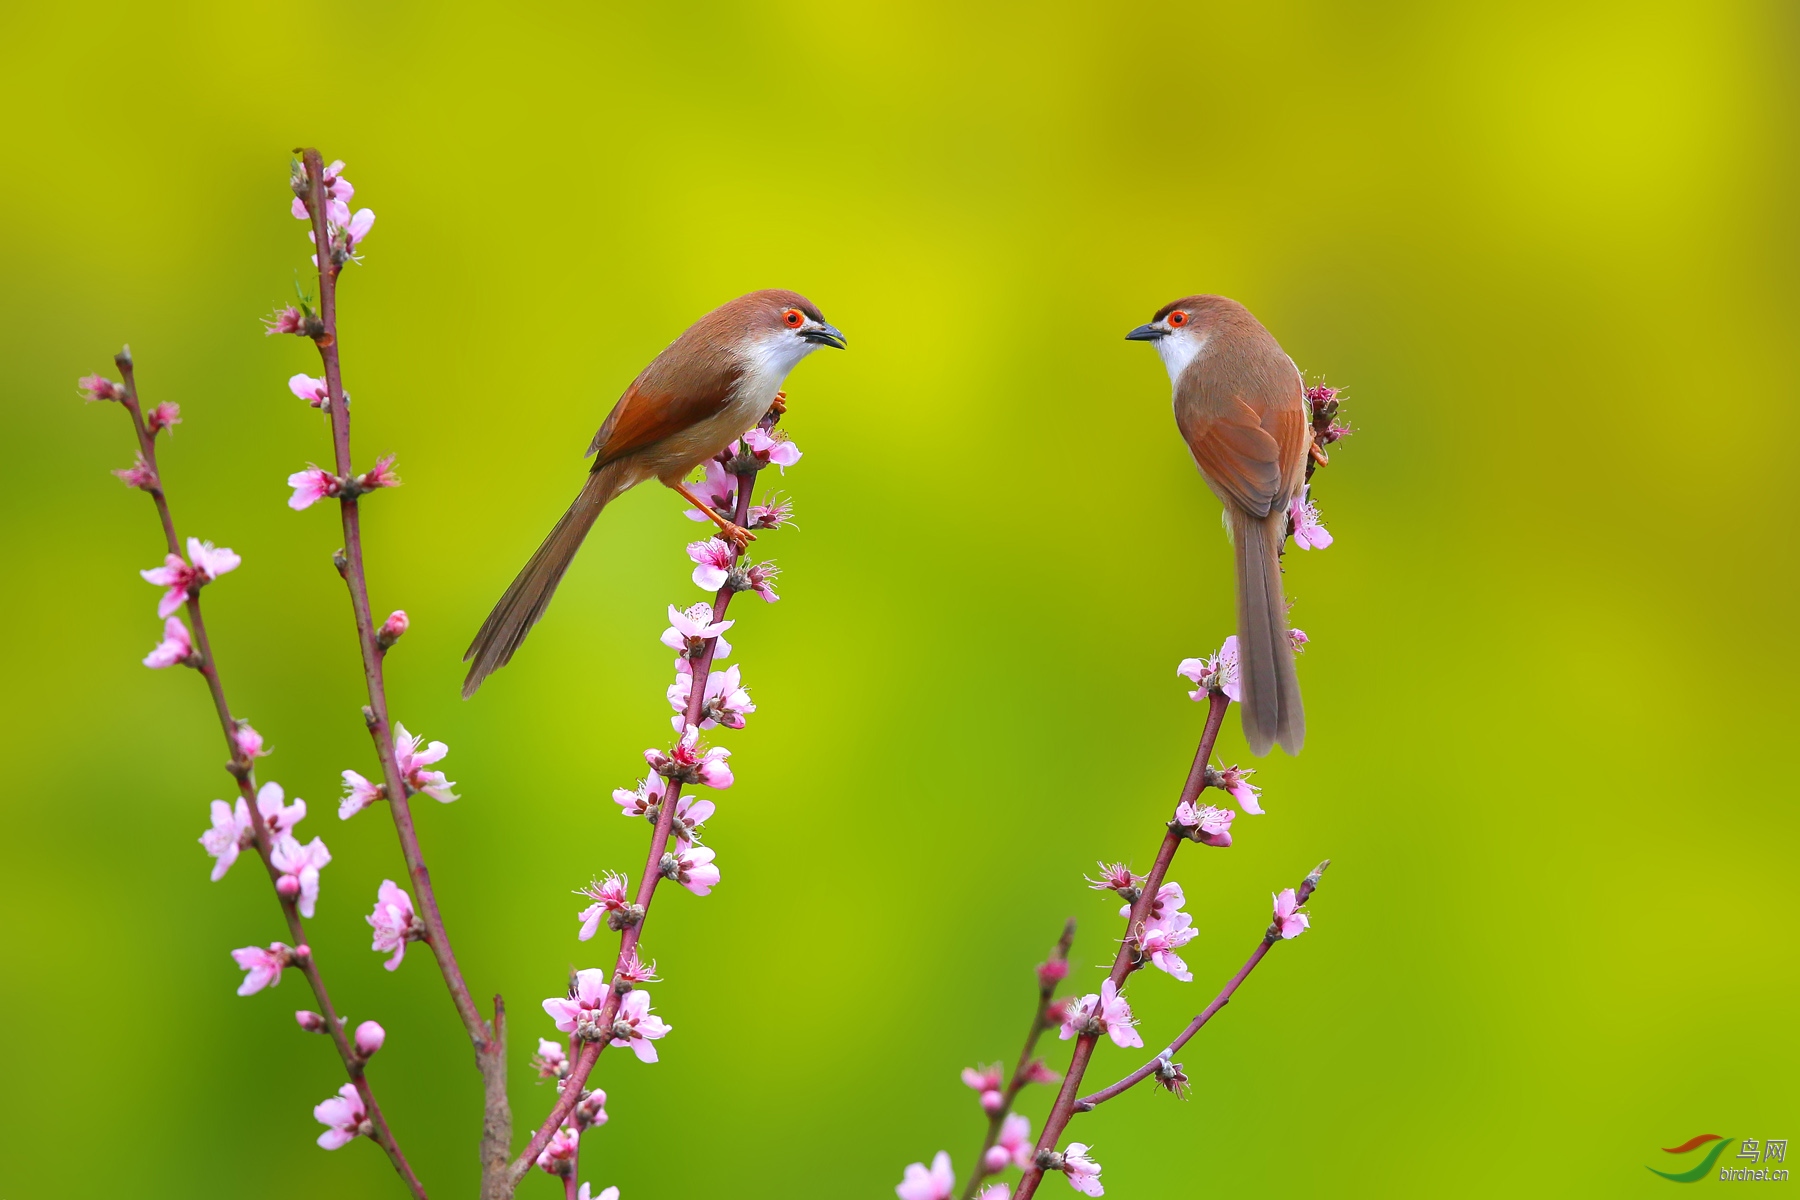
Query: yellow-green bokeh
{"x": 1550, "y": 250}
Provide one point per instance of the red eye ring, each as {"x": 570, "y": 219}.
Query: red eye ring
{"x": 1177, "y": 319}
{"x": 793, "y": 318}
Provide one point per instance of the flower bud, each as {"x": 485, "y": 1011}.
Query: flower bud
{"x": 288, "y": 887}
{"x": 391, "y": 629}
{"x": 992, "y": 1102}
{"x": 1053, "y": 972}
{"x": 369, "y": 1037}
{"x": 98, "y": 387}
{"x": 312, "y": 1022}
{"x": 995, "y": 1159}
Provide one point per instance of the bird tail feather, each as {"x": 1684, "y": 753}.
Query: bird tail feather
{"x": 1271, "y": 686}
{"x": 529, "y": 595}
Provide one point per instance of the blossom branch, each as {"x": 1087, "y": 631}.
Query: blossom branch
{"x": 1128, "y": 959}
{"x": 745, "y": 468}
{"x": 1028, "y": 1069}
{"x": 242, "y": 768}
{"x": 488, "y": 1038}
{"x": 1162, "y": 1066}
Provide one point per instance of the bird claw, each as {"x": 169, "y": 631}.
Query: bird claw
{"x": 739, "y": 537}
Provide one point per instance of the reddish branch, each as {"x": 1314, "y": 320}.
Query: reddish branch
{"x": 583, "y": 1063}
{"x": 243, "y": 770}
{"x": 1127, "y": 959}
{"x": 488, "y": 1038}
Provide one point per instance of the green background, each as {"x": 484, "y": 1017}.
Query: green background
{"x": 1549, "y": 248}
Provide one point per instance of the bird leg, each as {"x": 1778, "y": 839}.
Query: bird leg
{"x": 730, "y": 530}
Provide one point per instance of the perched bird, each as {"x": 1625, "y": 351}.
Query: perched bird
{"x": 1241, "y": 406}
{"x": 713, "y": 382}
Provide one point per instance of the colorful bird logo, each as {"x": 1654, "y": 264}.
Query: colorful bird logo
{"x": 1705, "y": 1166}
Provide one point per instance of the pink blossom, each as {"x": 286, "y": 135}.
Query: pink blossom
{"x": 558, "y": 1157}
{"x": 983, "y": 1079}
{"x": 1234, "y": 780}
{"x": 1036, "y": 1071}
{"x": 1218, "y": 673}
{"x": 1289, "y": 921}
{"x": 344, "y": 1117}
{"x": 760, "y": 578}
{"x": 994, "y": 1191}
{"x": 632, "y": 970}
{"x": 278, "y": 816}
{"x": 99, "y": 387}
{"x": 724, "y": 702}
{"x": 393, "y": 922}
{"x": 311, "y": 486}
{"x": 164, "y": 416}
{"x": 644, "y": 800}
{"x": 713, "y": 559}
{"x": 937, "y": 1183}
{"x": 1169, "y": 899}
{"x": 1211, "y": 826}
{"x": 176, "y": 647}
{"x": 1083, "y": 1172}
{"x": 289, "y": 319}
{"x": 580, "y": 1010}
{"x": 312, "y": 390}
{"x": 413, "y": 762}
{"x": 182, "y": 579}
{"x": 345, "y": 229}
{"x": 1015, "y": 1141}
{"x": 1160, "y": 939}
{"x": 225, "y": 838}
{"x": 718, "y": 490}
{"x": 1115, "y": 877}
{"x": 690, "y": 629}
{"x": 690, "y": 816}
{"x": 1053, "y": 972}
{"x": 249, "y": 742}
{"x": 392, "y": 629}
{"x": 637, "y": 1027}
{"x": 1106, "y": 1013}
{"x": 687, "y": 763}
{"x": 608, "y": 896}
{"x": 332, "y": 181}
{"x": 369, "y": 1037}
{"x": 590, "y": 1110}
{"x": 772, "y": 449}
{"x": 778, "y": 511}
{"x": 550, "y": 1062}
{"x": 262, "y": 968}
{"x": 1299, "y": 639}
{"x": 139, "y": 474}
{"x": 692, "y": 868}
{"x": 359, "y": 793}
{"x": 299, "y": 866}
{"x": 1308, "y": 533}
{"x": 381, "y": 475}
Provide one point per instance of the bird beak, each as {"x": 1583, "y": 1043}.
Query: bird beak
{"x": 824, "y": 335}
{"x": 1146, "y": 333}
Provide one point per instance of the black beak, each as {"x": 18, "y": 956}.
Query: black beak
{"x": 1146, "y": 333}
{"x": 824, "y": 335}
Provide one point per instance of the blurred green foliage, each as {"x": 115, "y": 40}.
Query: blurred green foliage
{"x": 1549, "y": 249}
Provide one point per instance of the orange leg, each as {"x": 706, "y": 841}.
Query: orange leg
{"x": 732, "y": 532}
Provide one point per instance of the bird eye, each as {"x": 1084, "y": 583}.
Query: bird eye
{"x": 794, "y": 318}
{"x": 1177, "y": 319}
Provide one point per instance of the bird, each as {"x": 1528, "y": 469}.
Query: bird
{"x": 718, "y": 379}
{"x": 1240, "y": 404}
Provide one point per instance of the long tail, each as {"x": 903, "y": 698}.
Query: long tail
{"x": 1272, "y": 711}
{"x": 525, "y": 601}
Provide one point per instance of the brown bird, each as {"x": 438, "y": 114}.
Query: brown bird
{"x": 1241, "y": 405}
{"x": 714, "y": 382}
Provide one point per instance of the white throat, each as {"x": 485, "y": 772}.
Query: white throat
{"x": 1178, "y": 349}
{"x": 768, "y": 360}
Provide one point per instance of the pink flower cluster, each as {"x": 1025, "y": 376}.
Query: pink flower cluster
{"x": 634, "y": 1025}
{"x": 1106, "y": 1013}
{"x": 713, "y": 570}
{"x": 345, "y": 229}
{"x": 232, "y": 829}
{"x": 1166, "y": 930}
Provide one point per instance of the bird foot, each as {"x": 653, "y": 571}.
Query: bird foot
{"x": 739, "y": 537}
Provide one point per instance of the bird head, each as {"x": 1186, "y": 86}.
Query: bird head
{"x": 788, "y": 325}
{"x": 1179, "y": 330}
